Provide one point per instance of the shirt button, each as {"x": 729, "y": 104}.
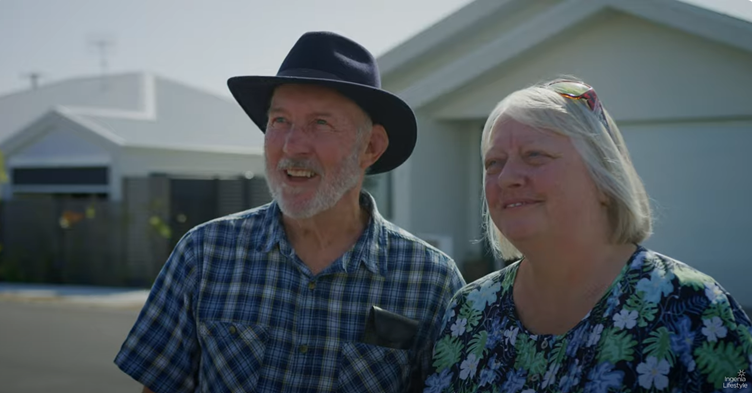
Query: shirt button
{"x": 303, "y": 348}
{"x": 233, "y": 330}
{"x": 312, "y": 285}
{"x": 544, "y": 344}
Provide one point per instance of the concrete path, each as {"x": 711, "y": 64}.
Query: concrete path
{"x": 61, "y": 347}
{"x": 83, "y": 295}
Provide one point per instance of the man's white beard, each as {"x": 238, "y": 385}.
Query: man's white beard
{"x": 330, "y": 190}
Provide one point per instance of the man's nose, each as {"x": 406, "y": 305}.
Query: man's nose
{"x": 296, "y": 141}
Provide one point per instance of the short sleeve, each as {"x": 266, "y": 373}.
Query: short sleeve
{"x": 161, "y": 350}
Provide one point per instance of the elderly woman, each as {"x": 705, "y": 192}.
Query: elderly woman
{"x": 585, "y": 307}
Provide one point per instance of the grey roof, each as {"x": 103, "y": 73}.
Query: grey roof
{"x": 138, "y": 110}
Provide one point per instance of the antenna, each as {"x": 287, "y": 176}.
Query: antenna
{"x": 102, "y": 44}
{"x": 33, "y": 77}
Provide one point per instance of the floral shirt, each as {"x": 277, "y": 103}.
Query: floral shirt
{"x": 662, "y": 326}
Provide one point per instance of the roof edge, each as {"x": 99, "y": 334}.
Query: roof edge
{"x": 685, "y": 17}
{"x": 522, "y": 38}
{"x": 48, "y": 120}
{"x": 252, "y": 151}
{"x": 691, "y": 19}
{"x": 465, "y": 18}
{"x": 72, "y": 79}
{"x": 438, "y": 33}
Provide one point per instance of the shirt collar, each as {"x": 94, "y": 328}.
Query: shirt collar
{"x": 275, "y": 230}
{"x": 369, "y": 249}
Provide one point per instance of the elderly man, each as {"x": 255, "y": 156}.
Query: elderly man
{"x": 315, "y": 291}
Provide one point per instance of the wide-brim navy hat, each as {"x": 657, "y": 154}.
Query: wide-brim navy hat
{"x": 328, "y": 59}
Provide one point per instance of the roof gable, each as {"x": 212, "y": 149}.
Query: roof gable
{"x": 57, "y": 119}
{"x": 442, "y": 77}
{"x": 60, "y": 145}
{"x": 116, "y": 92}
{"x": 187, "y": 119}
{"x": 643, "y": 71}
{"x": 135, "y": 110}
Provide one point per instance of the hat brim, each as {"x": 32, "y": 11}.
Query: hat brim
{"x": 254, "y": 93}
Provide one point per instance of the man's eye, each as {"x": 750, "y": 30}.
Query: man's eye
{"x": 278, "y": 120}
{"x": 321, "y": 122}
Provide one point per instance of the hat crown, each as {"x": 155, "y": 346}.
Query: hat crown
{"x": 333, "y": 61}
{"x": 329, "y": 55}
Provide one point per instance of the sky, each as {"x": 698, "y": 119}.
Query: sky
{"x": 202, "y": 43}
{"x": 199, "y": 43}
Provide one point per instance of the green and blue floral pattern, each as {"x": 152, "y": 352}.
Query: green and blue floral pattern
{"x": 661, "y": 327}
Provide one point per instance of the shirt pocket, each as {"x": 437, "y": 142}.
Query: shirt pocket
{"x": 371, "y": 368}
{"x": 233, "y": 354}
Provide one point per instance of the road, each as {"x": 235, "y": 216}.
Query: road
{"x": 62, "y": 348}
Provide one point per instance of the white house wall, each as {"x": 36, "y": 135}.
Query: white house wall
{"x": 697, "y": 176}
{"x": 474, "y": 191}
{"x": 641, "y": 70}
{"x": 440, "y": 186}
{"x": 144, "y": 161}
{"x": 682, "y": 102}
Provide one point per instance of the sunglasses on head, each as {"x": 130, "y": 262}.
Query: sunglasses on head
{"x": 576, "y": 90}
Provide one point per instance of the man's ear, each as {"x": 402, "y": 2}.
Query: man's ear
{"x": 376, "y": 145}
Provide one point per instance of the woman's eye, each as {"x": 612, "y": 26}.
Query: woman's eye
{"x": 536, "y": 154}
{"x": 492, "y": 165}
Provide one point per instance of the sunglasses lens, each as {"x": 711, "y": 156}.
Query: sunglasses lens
{"x": 580, "y": 91}
{"x": 575, "y": 90}
{"x": 572, "y": 89}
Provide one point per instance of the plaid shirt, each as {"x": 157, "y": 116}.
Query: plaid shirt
{"x": 235, "y": 310}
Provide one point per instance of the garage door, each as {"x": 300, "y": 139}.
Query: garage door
{"x": 699, "y": 177}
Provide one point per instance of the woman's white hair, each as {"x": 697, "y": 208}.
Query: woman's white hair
{"x": 602, "y": 149}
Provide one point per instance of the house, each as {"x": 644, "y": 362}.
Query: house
{"x": 105, "y": 174}
{"x": 675, "y": 75}
{"x": 84, "y": 136}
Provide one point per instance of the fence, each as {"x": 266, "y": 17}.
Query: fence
{"x": 89, "y": 240}
{"x": 64, "y": 241}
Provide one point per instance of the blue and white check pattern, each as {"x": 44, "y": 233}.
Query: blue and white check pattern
{"x": 235, "y": 310}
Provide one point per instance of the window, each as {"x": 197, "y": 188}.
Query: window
{"x": 60, "y": 176}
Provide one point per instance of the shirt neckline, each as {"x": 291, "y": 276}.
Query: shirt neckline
{"x": 599, "y": 305}
{"x": 366, "y": 249}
